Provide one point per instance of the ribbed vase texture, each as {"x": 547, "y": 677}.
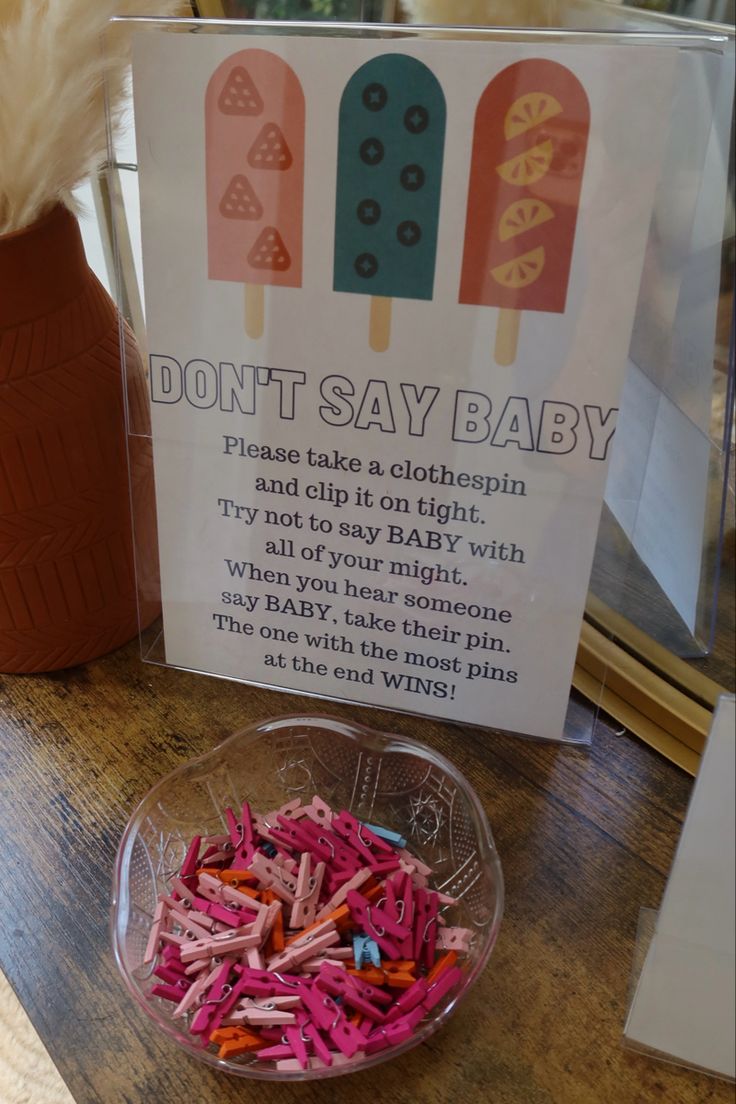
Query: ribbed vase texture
{"x": 67, "y": 582}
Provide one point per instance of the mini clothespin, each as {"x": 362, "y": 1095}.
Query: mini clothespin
{"x": 370, "y": 847}
{"x": 309, "y": 944}
{"x": 189, "y": 866}
{"x": 154, "y": 938}
{"x": 330, "y": 1018}
{"x": 242, "y": 835}
{"x": 359, "y": 949}
{"x": 355, "y": 994}
{"x": 454, "y": 939}
{"x": 376, "y": 922}
{"x": 319, "y": 811}
{"x": 265, "y": 983}
{"x": 411, "y": 998}
{"x": 275, "y": 877}
{"x": 339, "y": 896}
{"x": 308, "y": 887}
{"x": 386, "y": 834}
{"x": 199, "y": 986}
{"x": 446, "y": 981}
{"x": 425, "y": 926}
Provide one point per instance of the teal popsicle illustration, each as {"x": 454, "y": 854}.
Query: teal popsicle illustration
{"x": 389, "y": 176}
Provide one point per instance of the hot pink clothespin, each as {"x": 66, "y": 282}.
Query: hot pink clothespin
{"x": 425, "y": 926}
{"x": 410, "y": 999}
{"x": 445, "y": 982}
{"x": 190, "y": 864}
{"x": 220, "y": 990}
{"x": 376, "y": 923}
{"x": 242, "y": 836}
{"x": 308, "y": 887}
{"x": 354, "y": 993}
{"x": 368, "y": 845}
{"x": 394, "y": 1033}
{"x": 266, "y": 983}
{"x": 330, "y": 1018}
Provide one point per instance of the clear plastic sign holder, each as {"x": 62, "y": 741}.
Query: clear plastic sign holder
{"x": 465, "y": 644}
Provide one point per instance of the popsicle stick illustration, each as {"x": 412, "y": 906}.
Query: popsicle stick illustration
{"x": 254, "y": 144}
{"x": 529, "y": 145}
{"x": 389, "y": 175}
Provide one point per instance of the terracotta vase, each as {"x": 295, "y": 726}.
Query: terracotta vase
{"x": 67, "y": 582}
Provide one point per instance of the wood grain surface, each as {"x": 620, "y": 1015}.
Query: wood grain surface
{"x": 586, "y": 838}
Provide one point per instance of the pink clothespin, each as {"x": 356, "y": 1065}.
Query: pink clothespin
{"x": 199, "y": 986}
{"x": 265, "y": 1014}
{"x": 190, "y": 928}
{"x": 307, "y": 946}
{"x": 308, "y": 887}
{"x": 376, "y": 923}
{"x": 224, "y": 943}
{"x": 170, "y": 992}
{"x": 340, "y": 896}
{"x": 330, "y": 1018}
{"x": 253, "y": 957}
{"x": 319, "y": 811}
{"x": 454, "y": 939}
{"x": 154, "y": 938}
{"x": 274, "y": 877}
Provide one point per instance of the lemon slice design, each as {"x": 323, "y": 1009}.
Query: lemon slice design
{"x": 522, "y": 271}
{"x": 523, "y": 215}
{"x": 527, "y": 167}
{"x": 529, "y": 111}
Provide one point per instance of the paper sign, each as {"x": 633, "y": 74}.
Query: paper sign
{"x": 370, "y": 485}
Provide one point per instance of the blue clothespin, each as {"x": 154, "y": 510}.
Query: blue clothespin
{"x": 360, "y": 950}
{"x": 386, "y": 834}
{"x": 374, "y": 952}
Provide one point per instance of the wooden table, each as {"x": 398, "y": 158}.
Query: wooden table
{"x": 586, "y": 838}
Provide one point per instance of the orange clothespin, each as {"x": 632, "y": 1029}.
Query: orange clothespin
{"x": 236, "y": 878}
{"x": 371, "y": 974}
{"x": 399, "y": 974}
{"x": 443, "y": 963}
{"x": 275, "y": 941}
{"x": 238, "y": 1041}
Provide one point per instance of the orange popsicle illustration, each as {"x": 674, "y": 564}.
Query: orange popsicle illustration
{"x": 529, "y": 143}
{"x": 254, "y": 139}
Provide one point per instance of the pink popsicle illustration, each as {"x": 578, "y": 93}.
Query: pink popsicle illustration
{"x": 254, "y": 144}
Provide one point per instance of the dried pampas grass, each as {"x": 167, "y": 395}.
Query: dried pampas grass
{"x": 53, "y": 69}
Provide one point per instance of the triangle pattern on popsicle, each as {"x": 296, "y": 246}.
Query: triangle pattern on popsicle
{"x": 269, "y": 251}
{"x": 240, "y": 95}
{"x": 255, "y": 207}
{"x": 269, "y": 150}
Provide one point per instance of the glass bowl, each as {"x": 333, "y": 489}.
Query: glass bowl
{"x": 382, "y": 779}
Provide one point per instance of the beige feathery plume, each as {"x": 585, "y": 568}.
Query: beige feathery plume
{"x": 53, "y": 68}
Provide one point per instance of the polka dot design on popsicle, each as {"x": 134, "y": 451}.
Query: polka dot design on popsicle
{"x": 269, "y": 251}
{"x": 392, "y": 123}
